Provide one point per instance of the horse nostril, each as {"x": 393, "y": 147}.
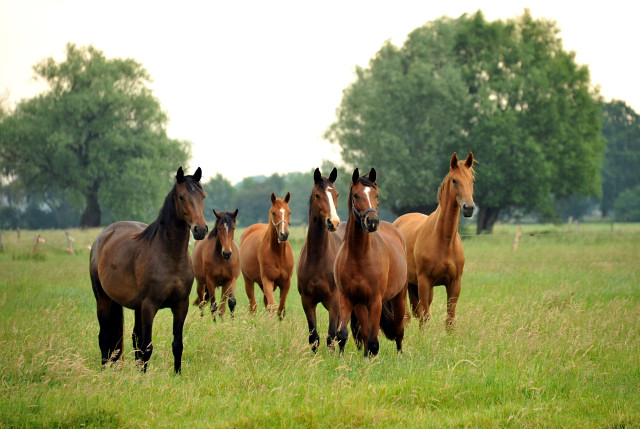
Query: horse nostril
{"x": 226, "y": 255}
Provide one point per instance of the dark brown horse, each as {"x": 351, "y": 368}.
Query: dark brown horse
{"x": 434, "y": 249}
{"x": 315, "y": 267}
{"x": 266, "y": 257}
{"x": 147, "y": 268}
{"x": 216, "y": 262}
{"x": 370, "y": 271}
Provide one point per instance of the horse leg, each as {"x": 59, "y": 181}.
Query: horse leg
{"x": 211, "y": 293}
{"x": 346, "y": 308}
{"x": 227, "y": 290}
{"x": 309, "y": 308}
{"x": 365, "y": 319}
{"x": 179, "y": 315}
{"x": 200, "y": 300}
{"x": 453, "y": 293}
{"x": 111, "y": 321}
{"x": 284, "y": 291}
{"x": 399, "y": 305}
{"x": 356, "y": 333}
{"x": 148, "y": 313}
{"x": 137, "y": 335}
{"x": 425, "y": 294}
{"x": 267, "y": 290}
{"x": 333, "y": 306}
{"x": 249, "y": 287}
{"x": 414, "y": 299}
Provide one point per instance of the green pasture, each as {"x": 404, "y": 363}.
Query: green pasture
{"x": 547, "y": 335}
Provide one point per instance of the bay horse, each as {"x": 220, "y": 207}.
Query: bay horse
{"x": 216, "y": 263}
{"x": 146, "y": 268}
{"x": 315, "y": 267}
{"x": 370, "y": 271}
{"x": 434, "y": 249}
{"x": 266, "y": 257}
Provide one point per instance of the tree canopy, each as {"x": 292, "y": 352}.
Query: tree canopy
{"x": 505, "y": 90}
{"x": 98, "y": 134}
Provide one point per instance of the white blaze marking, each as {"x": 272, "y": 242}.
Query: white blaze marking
{"x": 226, "y": 227}
{"x": 334, "y": 212}
{"x": 282, "y": 222}
{"x": 367, "y": 190}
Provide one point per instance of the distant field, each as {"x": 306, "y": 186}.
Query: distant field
{"x": 547, "y": 335}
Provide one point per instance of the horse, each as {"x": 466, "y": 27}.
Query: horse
{"x": 434, "y": 249}
{"x": 147, "y": 268}
{"x": 266, "y": 257}
{"x": 370, "y": 271}
{"x": 315, "y": 267}
{"x": 216, "y": 262}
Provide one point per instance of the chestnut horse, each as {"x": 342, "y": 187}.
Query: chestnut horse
{"x": 434, "y": 249}
{"x": 266, "y": 257}
{"x": 315, "y": 266}
{"x": 147, "y": 268}
{"x": 370, "y": 271}
{"x": 216, "y": 262}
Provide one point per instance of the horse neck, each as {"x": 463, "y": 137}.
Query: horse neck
{"x": 447, "y": 217}
{"x": 357, "y": 239}
{"x": 271, "y": 234}
{"x": 317, "y": 236}
{"x": 173, "y": 231}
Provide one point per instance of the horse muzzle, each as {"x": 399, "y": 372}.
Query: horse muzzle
{"x": 468, "y": 209}
{"x": 283, "y": 236}
{"x": 332, "y": 224}
{"x": 371, "y": 223}
{"x": 199, "y": 232}
{"x": 226, "y": 255}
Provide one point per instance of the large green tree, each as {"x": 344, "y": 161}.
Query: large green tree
{"x": 97, "y": 133}
{"x": 621, "y": 129}
{"x": 505, "y": 90}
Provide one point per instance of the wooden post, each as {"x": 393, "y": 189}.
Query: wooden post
{"x": 516, "y": 239}
{"x": 569, "y": 223}
{"x": 18, "y": 231}
{"x": 70, "y": 241}
{"x": 577, "y": 224}
{"x": 36, "y": 240}
{"x": 1, "y": 241}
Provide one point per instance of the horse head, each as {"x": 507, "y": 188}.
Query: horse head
{"x": 324, "y": 200}
{"x": 189, "y": 202}
{"x": 279, "y": 215}
{"x": 461, "y": 179}
{"x": 224, "y": 230}
{"x": 363, "y": 200}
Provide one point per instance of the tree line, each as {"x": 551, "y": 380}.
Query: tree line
{"x": 546, "y": 141}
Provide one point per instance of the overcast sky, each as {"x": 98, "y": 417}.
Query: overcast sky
{"x": 254, "y": 84}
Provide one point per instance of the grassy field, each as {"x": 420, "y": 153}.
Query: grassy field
{"x": 547, "y": 336}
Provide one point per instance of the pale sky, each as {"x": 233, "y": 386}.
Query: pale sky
{"x": 254, "y": 84}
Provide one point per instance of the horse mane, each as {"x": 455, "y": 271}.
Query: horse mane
{"x": 167, "y": 211}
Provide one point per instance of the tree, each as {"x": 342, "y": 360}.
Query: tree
{"x": 621, "y": 129}
{"x": 97, "y": 134}
{"x": 220, "y": 194}
{"x": 504, "y": 90}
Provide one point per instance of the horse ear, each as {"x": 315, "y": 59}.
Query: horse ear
{"x": 372, "y": 175}
{"x": 334, "y": 175}
{"x": 287, "y": 197}
{"x": 469, "y": 161}
{"x": 197, "y": 175}
{"x": 235, "y": 214}
{"x": 180, "y": 175}
{"x": 273, "y": 198}
{"x": 317, "y": 176}
{"x": 216, "y": 213}
{"x": 355, "y": 177}
{"x": 454, "y": 160}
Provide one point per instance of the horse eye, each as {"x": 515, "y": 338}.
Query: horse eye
{"x": 356, "y": 196}
{"x": 454, "y": 181}
{"x": 317, "y": 197}
{"x": 181, "y": 197}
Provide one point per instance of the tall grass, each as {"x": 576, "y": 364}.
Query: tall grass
{"x": 546, "y": 336}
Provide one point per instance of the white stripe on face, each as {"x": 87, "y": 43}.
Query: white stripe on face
{"x": 334, "y": 212}
{"x": 282, "y": 222}
{"x": 226, "y": 227}
{"x": 367, "y": 191}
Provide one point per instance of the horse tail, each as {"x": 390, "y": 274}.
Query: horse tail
{"x": 387, "y": 322}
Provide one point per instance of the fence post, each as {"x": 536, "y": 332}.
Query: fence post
{"x": 36, "y": 239}
{"x": 569, "y": 223}
{"x": 1, "y": 241}
{"x": 516, "y": 239}
{"x": 70, "y": 241}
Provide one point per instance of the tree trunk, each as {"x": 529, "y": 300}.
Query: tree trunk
{"x": 487, "y": 217}
{"x": 91, "y": 215}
